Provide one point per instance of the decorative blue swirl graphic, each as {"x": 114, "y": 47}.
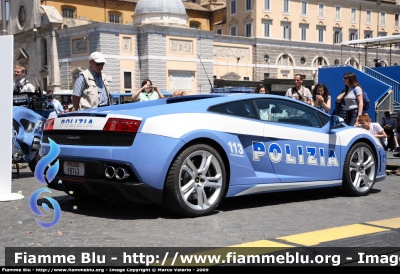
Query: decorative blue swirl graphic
{"x": 33, "y": 205}
{"x": 45, "y": 162}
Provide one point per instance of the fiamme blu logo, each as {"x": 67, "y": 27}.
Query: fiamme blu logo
{"x": 45, "y": 173}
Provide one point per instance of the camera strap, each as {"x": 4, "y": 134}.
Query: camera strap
{"x": 294, "y": 90}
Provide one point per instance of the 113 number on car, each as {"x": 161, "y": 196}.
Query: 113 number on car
{"x": 236, "y": 148}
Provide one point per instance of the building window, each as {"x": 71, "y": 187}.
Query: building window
{"x": 233, "y": 7}
{"x": 127, "y": 80}
{"x": 286, "y": 6}
{"x": 382, "y": 34}
{"x": 249, "y": 29}
{"x": 249, "y": 5}
{"x": 44, "y": 52}
{"x": 233, "y": 31}
{"x": 304, "y": 7}
{"x": 353, "y": 15}
{"x": 336, "y": 62}
{"x": 267, "y": 28}
{"x": 246, "y": 78}
{"x": 267, "y": 4}
{"x": 285, "y": 60}
{"x": 219, "y": 31}
{"x": 303, "y": 32}
{"x": 321, "y": 34}
{"x": 353, "y": 35}
{"x": 382, "y": 20}
{"x": 337, "y": 36}
{"x": 368, "y": 17}
{"x": 352, "y": 62}
{"x": 194, "y": 25}
{"x": 396, "y": 20}
{"x": 115, "y": 18}
{"x": 321, "y": 10}
{"x": 337, "y": 12}
{"x": 266, "y": 75}
{"x": 367, "y": 34}
{"x": 320, "y": 62}
{"x": 68, "y": 13}
{"x": 286, "y": 31}
{"x": 302, "y": 60}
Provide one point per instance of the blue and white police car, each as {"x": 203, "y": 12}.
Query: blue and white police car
{"x": 188, "y": 153}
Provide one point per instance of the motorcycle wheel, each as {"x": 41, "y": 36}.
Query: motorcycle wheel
{"x": 32, "y": 164}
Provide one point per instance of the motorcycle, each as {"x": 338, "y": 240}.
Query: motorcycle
{"x": 30, "y": 112}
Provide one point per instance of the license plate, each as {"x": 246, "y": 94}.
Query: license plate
{"x": 74, "y": 168}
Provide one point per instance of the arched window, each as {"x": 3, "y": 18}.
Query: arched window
{"x": 352, "y": 62}
{"x": 285, "y": 60}
{"x": 320, "y": 62}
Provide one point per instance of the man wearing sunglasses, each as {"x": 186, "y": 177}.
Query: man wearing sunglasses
{"x": 90, "y": 90}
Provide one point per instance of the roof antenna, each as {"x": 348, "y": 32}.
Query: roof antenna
{"x": 212, "y": 89}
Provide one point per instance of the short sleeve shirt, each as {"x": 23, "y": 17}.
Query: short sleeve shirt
{"x": 293, "y": 92}
{"x": 376, "y": 129}
{"x": 144, "y": 96}
{"x": 81, "y": 85}
{"x": 351, "y": 98}
{"x": 321, "y": 107}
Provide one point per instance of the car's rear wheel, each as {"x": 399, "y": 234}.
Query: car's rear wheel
{"x": 359, "y": 170}
{"x": 196, "y": 182}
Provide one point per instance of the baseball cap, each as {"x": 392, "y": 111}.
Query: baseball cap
{"x": 98, "y": 57}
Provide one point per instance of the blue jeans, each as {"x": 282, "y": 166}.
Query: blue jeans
{"x": 351, "y": 117}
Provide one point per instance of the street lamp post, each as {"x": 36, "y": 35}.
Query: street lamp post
{"x": 237, "y": 65}
{"x": 378, "y": 4}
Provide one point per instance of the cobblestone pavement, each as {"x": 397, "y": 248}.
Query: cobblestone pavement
{"x": 100, "y": 223}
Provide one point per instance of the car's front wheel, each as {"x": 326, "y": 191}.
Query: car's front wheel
{"x": 196, "y": 182}
{"x": 359, "y": 171}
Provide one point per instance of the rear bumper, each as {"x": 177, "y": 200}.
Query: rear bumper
{"x": 95, "y": 183}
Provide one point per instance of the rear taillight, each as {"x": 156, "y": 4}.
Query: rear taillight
{"x": 49, "y": 125}
{"x": 122, "y": 125}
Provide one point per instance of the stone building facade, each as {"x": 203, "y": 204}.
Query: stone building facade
{"x": 188, "y": 55}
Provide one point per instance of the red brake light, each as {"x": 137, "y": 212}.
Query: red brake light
{"x": 122, "y": 125}
{"x": 49, "y": 125}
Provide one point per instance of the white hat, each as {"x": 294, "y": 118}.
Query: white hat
{"x": 98, "y": 57}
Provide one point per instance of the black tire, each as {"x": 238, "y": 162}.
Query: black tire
{"x": 198, "y": 169}
{"x": 32, "y": 164}
{"x": 359, "y": 170}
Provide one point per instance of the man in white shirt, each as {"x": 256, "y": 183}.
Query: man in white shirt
{"x": 21, "y": 84}
{"x": 300, "y": 92}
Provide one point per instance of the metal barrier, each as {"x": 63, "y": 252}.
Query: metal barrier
{"x": 394, "y": 84}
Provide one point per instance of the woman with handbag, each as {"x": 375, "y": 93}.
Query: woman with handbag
{"x": 353, "y": 98}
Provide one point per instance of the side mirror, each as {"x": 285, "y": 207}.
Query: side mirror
{"x": 336, "y": 122}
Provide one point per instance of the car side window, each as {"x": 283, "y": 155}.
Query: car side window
{"x": 287, "y": 112}
{"x": 244, "y": 109}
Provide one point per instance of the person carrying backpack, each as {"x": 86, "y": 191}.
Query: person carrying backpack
{"x": 353, "y": 98}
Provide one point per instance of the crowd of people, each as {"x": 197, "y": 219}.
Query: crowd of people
{"x": 91, "y": 91}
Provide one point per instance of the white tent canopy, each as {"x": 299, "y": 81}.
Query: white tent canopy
{"x": 382, "y": 41}
{"x": 373, "y": 42}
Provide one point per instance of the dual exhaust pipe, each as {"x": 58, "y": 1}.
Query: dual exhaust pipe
{"x": 119, "y": 172}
